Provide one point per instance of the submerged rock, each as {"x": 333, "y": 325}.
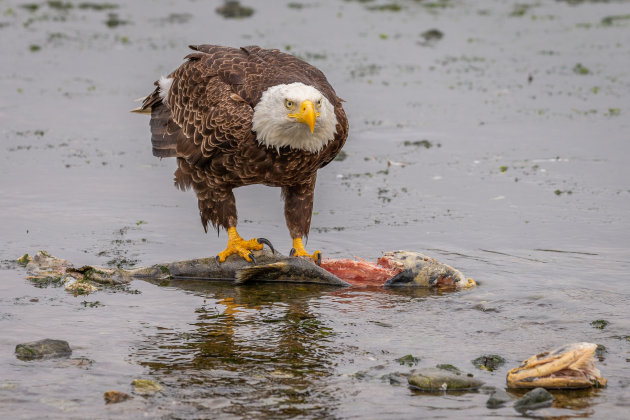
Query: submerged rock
{"x": 431, "y": 37}
{"x": 79, "y": 362}
{"x": 440, "y": 379}
{"x": 46, "y": 348}
{"x": 498, "y": 397}
{"x": 396, "y": 378}
{"x": 145, "y": 386}
{"x": 533, "y": 400}
{"x": 113, "y": 397}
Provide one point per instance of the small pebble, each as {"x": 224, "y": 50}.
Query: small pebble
{"x": 145, "y": 386}
{"x": 113, "y": 397}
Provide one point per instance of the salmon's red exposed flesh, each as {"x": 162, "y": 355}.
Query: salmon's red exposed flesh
{"x": 360, "y": 272}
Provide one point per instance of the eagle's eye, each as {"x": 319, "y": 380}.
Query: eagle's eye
{"x": 319, "y": 103}
{"x": 289, "y": 104}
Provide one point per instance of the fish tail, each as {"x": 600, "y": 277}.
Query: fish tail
{"x": 256, "y": 272}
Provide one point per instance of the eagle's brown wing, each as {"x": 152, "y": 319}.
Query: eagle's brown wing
{"x": 207, "y": 124}
{"x": 211, "y": 100}
{"x": 204, "y": 115}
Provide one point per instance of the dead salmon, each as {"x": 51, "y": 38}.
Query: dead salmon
{"x": 393, "y": 269}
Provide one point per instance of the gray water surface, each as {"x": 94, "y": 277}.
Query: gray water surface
{"x": 501, "y": 149}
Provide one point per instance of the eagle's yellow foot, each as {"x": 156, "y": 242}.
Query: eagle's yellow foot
{"x": 238, "y": 245}
{"x": 299, "y": 251}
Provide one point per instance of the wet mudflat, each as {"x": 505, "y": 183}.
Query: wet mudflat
{"x": 500, "y": 148}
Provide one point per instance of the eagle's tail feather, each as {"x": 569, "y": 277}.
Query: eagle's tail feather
{"x": 163, "y": 137}
{"x": 141, "y": 110}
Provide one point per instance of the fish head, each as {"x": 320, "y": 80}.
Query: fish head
{"x": 569, "y": 366}
{"x": 420, "y": 270}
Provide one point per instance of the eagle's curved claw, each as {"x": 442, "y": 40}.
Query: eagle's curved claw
{"x": 299, "y": 251}
{"x": 266, "y": 242}
{"x": 239, "y": 246}
{"x": 253, "y": 258}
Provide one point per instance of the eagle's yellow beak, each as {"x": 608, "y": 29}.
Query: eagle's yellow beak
{"x": 307, "y": 114}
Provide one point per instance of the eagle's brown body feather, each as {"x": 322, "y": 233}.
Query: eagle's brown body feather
{"x": 207, "y": 125}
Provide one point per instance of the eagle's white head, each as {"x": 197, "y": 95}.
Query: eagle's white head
{"x": 294, "y": 115}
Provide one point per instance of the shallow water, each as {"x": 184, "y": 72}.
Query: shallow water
{"x": 524, "y": 187}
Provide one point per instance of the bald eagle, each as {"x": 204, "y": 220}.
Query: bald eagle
{"x": 242, "y": 116}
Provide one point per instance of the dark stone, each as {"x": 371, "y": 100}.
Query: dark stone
{"x": 498, "y": 398}
{"x": 533, "y": 400}
{"x": 46, "y": 348}
{"x": 432, "y": 35}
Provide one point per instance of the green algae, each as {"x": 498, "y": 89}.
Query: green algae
{"x": 408, "y": 360}
{"x": 600, "y": 324}
{"x": 23, "y": 260}
{"x": 60, "y": 5}
{"x": 388, "y": 7}
{"x": 449, "y": 367}
{"x": 611, "y": 20}
{"x": 97, "y": 6}
{"x": 234, "y": 10}
{"x": 489, "y": 362}
{"x": 114, "y": 21}
{"x": 31, "y": 7}
{"x": 581, "y": 69}
{"x": 418, "y": 143}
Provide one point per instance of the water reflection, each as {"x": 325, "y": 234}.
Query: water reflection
{"x": 260, "y": 347}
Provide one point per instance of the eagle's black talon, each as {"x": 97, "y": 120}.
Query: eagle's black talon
{"x": 266, "y": 242}
{"x": 319, "y": 259}
{"x": 253, "y": 258}
{"x": 292, "y": 252}
{"x": 217, "y": 260}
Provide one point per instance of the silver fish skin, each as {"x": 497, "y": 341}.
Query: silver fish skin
{"x": 291, "y": 270}
{"x": 269, "y": 267}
